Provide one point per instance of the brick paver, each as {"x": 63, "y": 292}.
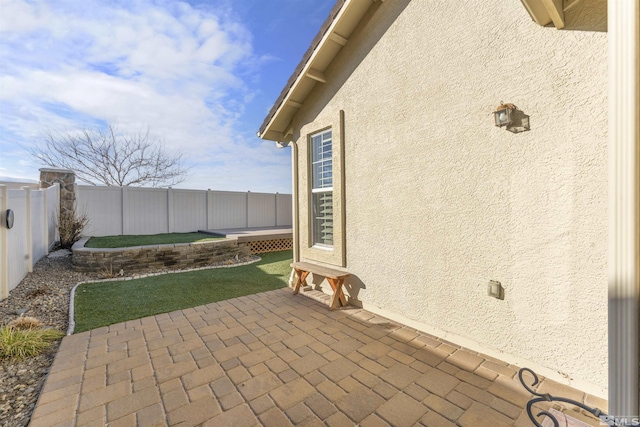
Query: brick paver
{"x": 278, "y": 359}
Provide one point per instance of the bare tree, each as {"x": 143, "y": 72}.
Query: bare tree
{"x": 107, "y": 156}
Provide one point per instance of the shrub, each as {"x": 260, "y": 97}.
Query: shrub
{"x": 20, "y": 343}
{"x": 70, "y": 227}
{"x": 25, "y": 322}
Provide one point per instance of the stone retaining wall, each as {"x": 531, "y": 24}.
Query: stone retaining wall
{"x": 154, "y": 257}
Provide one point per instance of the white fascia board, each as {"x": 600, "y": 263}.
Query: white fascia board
{"x": 307, "y": 71}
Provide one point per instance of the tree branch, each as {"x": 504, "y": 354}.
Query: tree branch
{"x": 109, "y": 157}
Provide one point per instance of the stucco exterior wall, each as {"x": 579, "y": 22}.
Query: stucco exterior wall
{"x": 438, "y": 201}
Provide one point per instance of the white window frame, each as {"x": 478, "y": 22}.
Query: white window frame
{"x": 321, "y": 187}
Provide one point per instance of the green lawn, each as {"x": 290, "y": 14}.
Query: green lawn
{"x": 153, "y": 239}
{"x": 105, "y": 303}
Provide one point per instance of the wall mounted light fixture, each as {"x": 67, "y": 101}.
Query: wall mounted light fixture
{"x": 508, "y": 115}
{"x": 504, "y": 114}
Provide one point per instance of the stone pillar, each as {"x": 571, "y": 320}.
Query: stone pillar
{"x": 66, "y": 178}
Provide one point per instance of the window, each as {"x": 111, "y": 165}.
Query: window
{"x": 322, "y": 189}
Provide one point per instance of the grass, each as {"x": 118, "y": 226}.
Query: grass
{"x": 23, "y": 343}
{"x": 106, "y": 303}
{"x": 144, "y": 240}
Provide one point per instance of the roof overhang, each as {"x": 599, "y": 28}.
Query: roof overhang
{"x": 545, "y": 12}
{"x": 333, "y": 35}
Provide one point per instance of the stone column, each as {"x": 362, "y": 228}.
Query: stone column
{"x": 66, "y": 178}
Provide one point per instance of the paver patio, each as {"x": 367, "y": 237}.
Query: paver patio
{"x": 277, "y": 359}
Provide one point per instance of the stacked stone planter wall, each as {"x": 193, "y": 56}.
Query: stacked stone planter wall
{"x": 156, "y": 257}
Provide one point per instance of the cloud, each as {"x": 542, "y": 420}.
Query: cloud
{"x": 184, "y": 71}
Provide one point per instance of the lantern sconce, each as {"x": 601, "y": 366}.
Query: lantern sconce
{"x": 504, "y": 114}
{"x": 508, "y": 115}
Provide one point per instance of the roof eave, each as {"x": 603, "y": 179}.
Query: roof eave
{"x": 333, "y": 35}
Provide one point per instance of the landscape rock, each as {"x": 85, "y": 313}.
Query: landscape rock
{"x": 44, "y": 294}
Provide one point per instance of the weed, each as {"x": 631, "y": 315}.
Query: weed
{"x": 107, "y": 273}
{"x": 25, "y": 322}
{"x": 42, "y": 290}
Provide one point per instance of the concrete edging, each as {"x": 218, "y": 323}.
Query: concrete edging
{"x": 72, "y": 322}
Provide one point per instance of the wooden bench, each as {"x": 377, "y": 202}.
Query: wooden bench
{"x": 333, "y": 276}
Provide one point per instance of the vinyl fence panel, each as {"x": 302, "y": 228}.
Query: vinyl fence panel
{"x": 134, "y": 210}
{"x": 284, "y": 211}
{"x": 103, "y": 207}
{"x": 50, "y": 220}
{"x": 146, "y": 210}
{"x": 262, "y": 209}
{"x": 189, "y": 210}
{"x": 30, "y": 237}
{"x": 17, "y": 237}
{"x": 4, "y": 246}
{"x": 227, "y": 210}
{"x": 39, "y": 242}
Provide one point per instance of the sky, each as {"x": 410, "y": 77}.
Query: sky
{"x": 200, "y": 75}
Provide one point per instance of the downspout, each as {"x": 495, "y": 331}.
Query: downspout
{"x": 296, "y": 211}
{"x": 294, "y": 205}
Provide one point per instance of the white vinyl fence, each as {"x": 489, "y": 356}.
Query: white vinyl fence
{"x": 33, "y": 233}
{"x": 133, "y": 210}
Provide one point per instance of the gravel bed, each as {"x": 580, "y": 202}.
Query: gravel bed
{"x": 44, "y": 294}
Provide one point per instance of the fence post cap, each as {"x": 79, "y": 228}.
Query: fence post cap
{"x": 61, "y": 170}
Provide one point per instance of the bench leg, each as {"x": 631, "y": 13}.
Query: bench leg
{"x": 338, "y": 298}
{"x": 302, "y": 278}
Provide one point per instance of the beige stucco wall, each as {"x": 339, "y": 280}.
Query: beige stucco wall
{"x": 438, "y": 201}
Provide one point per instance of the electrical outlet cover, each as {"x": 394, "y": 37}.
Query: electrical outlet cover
{"x": 495, "y": 289}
